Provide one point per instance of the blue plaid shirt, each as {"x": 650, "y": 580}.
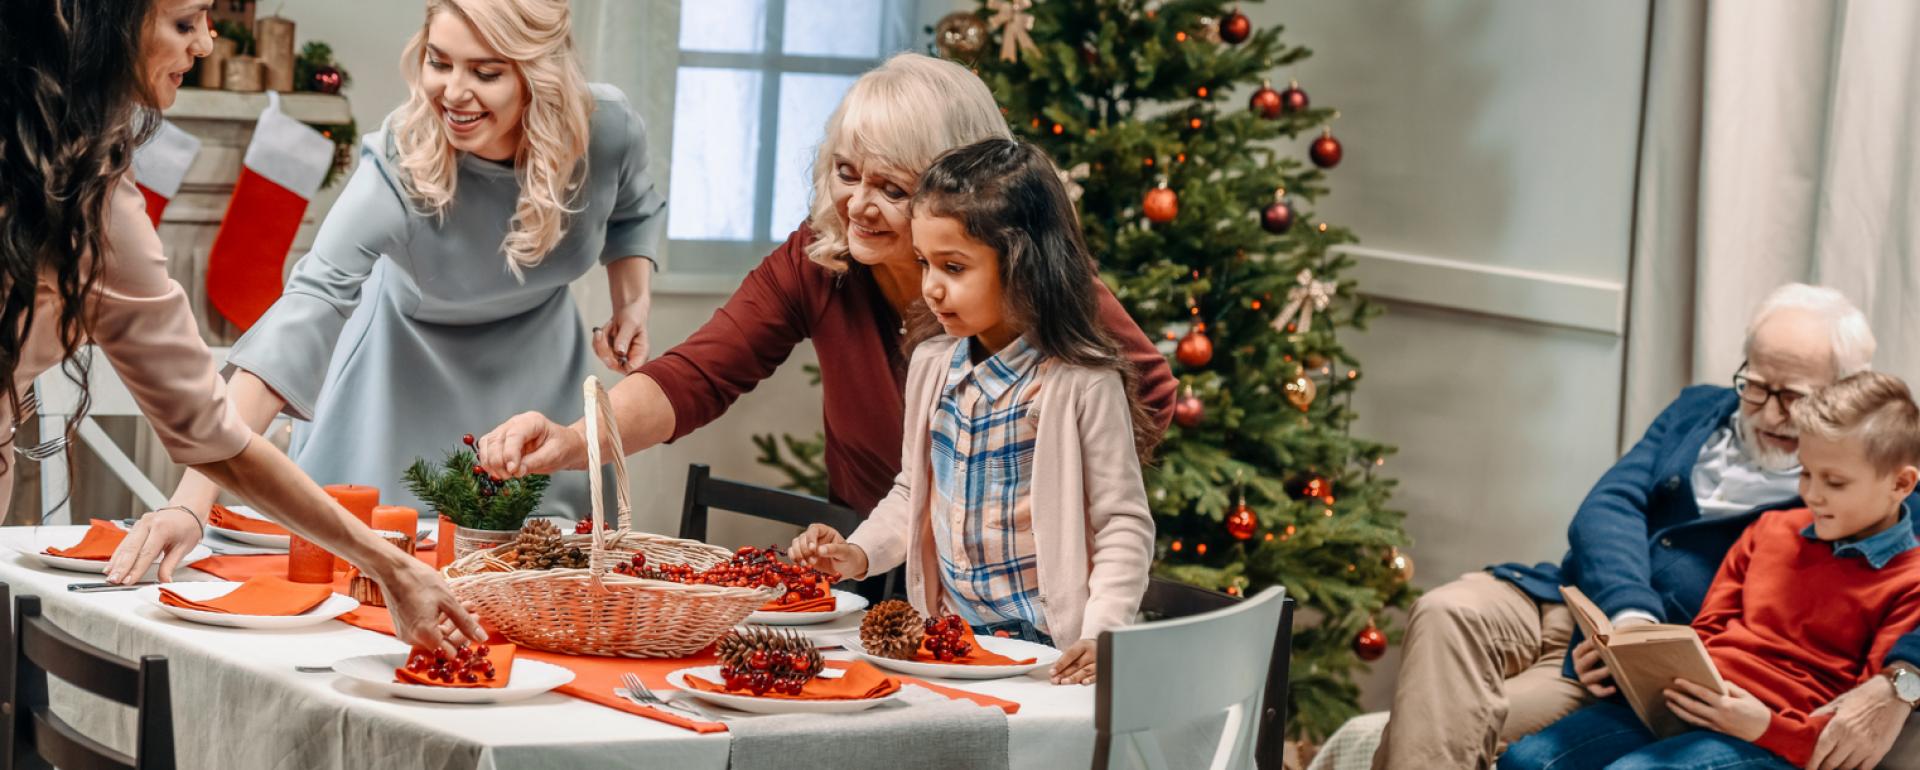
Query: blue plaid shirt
{"x": 982, "y": 457}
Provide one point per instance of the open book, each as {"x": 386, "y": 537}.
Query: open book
{"x": 1644, "y": 659}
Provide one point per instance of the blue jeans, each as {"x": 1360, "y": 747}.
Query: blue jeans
{"x": 1609, "y": 735}
{"x": 1017, "y": 629}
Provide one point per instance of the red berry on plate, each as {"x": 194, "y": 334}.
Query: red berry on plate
{"x": 759, "y": 661}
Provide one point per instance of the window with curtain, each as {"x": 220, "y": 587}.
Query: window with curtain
{"x": 755, "y": 83}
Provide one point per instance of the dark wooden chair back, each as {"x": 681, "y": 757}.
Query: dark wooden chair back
{"x": 36, "y": 738}
{"x": 1173, "y": 599}
{"x": 705, "y": 492}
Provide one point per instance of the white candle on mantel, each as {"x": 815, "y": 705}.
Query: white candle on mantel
{"x": 273, "y": 41}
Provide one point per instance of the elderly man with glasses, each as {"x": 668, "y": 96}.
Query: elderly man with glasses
{"x": 1494, "y": 656}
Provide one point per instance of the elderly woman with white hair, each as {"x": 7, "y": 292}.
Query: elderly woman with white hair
{"x": 435, "y": 300}
{"x": 847, "y": 279}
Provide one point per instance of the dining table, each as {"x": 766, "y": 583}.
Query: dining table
{"x": 256, "y": 699}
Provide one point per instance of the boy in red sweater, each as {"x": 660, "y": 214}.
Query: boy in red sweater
{"x": 1803, "y": 609}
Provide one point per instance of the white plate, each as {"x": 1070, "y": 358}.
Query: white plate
{"x": 335, "y": 606}
{"x": 98, "y": 566}
{"x": 529, "y": 678}
{"x": 1013, "y": 648}
{"x": 250, "y": 538}
{"x": 767, "y": 705}
{"x": 844, "y": 604}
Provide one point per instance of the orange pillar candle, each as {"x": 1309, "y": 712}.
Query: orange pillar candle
{"x": 397, "y": 518}
{"x": 359, "y": 500}
{"x": 307, "y": 562}
{"x": 443, "y": 543}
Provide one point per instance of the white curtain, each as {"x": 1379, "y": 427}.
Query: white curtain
{"x": 1779, "y": 143}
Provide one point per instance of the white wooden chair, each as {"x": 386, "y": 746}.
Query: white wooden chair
{"x": 1172, "y": 673}
{"x": 58, "y": 399}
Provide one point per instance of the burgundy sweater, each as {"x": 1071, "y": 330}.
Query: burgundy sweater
{"x": 863, "y": 373}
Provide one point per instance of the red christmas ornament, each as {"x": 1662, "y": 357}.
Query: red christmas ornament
{"x": 1189, "y": 410}
{"x": 1277, "y": 217}
{"x": 1267, "y": 102}
{"x": 1317, "y": 487}
{"x": 327, "y": 80}
{"x": 1241, "y": 521}
{"x": 1370, "y": 643}
{"x": 1235, "y": 28}
{"x": 1326, "y": 150}
{"x": 1293, "y": 99}
{"x": 1195, "y": 349}
{"x": 1161, "y": 204}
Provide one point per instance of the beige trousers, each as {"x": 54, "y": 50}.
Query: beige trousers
{"x": 1480, "y": 668}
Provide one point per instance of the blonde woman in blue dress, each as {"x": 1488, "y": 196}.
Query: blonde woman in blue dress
{"x": 434, "y": 301}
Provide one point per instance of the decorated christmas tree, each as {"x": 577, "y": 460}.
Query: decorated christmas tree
{"x": 1178, "y": 128}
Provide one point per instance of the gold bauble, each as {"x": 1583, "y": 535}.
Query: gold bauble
{"x": 1300, "y": 391}
{"x": 960, "y": 36}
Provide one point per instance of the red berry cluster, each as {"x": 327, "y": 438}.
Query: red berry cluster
{"x": 468, "y": 665}
{"x": 748, "y": 568}
{"x": 773, "y": 671}
{"x": 490, "y": 484}
{"x": 948, "y": 637}
{"x": 583, "y": 527}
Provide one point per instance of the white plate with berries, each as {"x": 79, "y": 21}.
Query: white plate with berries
{"x": 525, "y": 679}
{"x": 844, "y": 603}
{"x": 1017, "y": 649}
{"x": 759, "y": 705}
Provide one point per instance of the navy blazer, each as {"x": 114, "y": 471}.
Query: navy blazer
{"x": 1638, "y": 540}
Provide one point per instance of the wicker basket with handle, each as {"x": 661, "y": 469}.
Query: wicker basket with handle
{"x": 594, "y": 611}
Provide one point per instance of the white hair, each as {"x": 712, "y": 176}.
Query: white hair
{"x": 1848, "y": 333}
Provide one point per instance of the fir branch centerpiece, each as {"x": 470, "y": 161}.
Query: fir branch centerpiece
{"x": 462, "y": 491}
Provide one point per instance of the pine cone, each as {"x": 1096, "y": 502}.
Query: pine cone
{"x": 786, "y": 653}
{"x": 892, "y": 629}
{"x": 539, "y": 545}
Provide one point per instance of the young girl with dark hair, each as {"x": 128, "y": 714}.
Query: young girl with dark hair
{"x": 1020, "y": 505}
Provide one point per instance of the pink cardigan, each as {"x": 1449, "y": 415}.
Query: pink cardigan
{"x": 1091, "y": 527}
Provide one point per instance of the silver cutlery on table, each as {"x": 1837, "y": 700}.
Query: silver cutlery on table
{"x": 94, "y": 588}
{"x": 637, "y": 692}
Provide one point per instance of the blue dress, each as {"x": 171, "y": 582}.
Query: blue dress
{"x": 399, "y": 332}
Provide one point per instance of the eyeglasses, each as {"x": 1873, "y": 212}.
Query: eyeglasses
{"x": 1758, "y": 394}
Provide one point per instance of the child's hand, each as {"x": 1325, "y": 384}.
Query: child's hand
{"x": 1075, "y": 665}
{"x": 822, "y": 548}
{"x": 1737, "y": 713}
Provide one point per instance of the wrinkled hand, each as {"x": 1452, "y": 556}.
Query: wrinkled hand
{"x": 821, "y": 547}
{"x": 1737, "y": 713}
{"x": 1866, "y": 721}
{"x": 621, "y": 344}
{"x": 1076, "y": 664}
{"x": 527, "y": 443}
{"x": 425, "y": 613}
{"x": 167, "y": 535}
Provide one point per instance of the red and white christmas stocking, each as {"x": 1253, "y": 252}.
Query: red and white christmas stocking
{"x": 285, "y": 164}
{"x": 160, "y": 165}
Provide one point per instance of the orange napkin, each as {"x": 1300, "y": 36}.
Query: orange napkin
{"x": 260, "y": 595}
{"x": 825, "y": 603}
{"x": 860, "y": 681}
{"x": 978, "y": 656}
{"x": 98, "y": 544}
{"x": 500, "y": 653}
{"x": 226, "y": 519}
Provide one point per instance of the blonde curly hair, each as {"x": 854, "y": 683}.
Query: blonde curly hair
{"x": 537, "y": 36}
{"x": 901, "y": 115}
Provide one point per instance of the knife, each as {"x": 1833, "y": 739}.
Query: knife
{"x": 94, "y": 588}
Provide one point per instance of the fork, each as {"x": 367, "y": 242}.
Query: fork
{"x": 638, "y": 692}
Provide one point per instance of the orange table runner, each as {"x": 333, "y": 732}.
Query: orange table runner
{"x": 259, "y": 595}
{"x": 595, "y": 678}
{"x": 97, "y": 545}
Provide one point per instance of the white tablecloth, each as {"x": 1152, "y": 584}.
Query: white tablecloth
{"x": 238, "y": 703}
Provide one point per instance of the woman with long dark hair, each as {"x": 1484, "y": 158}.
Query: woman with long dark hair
{"x": 81, "y": 84}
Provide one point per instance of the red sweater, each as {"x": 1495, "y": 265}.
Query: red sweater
{"x": 1804, "y": 626}
{"x": 789, "y": 298}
